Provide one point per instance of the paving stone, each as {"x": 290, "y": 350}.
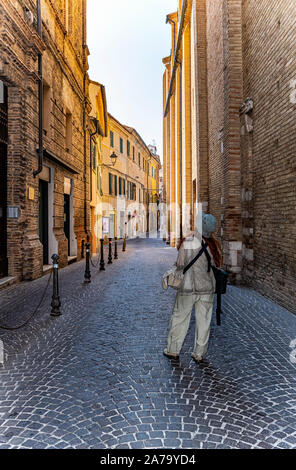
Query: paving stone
{"x": 96, "y": 376}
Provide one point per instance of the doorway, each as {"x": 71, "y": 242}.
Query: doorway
{"x": 67, "y": 220}
{"x": 3, "y": 179}
{"x": 43, "y": 218}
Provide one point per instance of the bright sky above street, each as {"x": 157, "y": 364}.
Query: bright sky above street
{"x": 127, "y": 41}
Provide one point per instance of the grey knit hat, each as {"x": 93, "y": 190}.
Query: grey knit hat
{"x": 208, "y": 224}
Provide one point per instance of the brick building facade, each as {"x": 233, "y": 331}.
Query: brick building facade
{"x": 47, "y": 212}
{"x": 237, "y": 141}
{"x": 130, "y": 187}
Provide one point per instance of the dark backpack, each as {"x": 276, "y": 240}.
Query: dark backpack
{"x": 221, "y": 278}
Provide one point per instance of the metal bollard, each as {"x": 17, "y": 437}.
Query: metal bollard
{"x": 124, "y": 244}
{"x": 110, "y": 251}
{"x": 87, "y": 274}
{"x": 55, "y": 302}
{"x": 115, "y": 249}
{"x": 102, "y": 262}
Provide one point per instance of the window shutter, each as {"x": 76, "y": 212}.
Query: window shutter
{"x": 115, "y": 185}
{"x": 110, "y": 183}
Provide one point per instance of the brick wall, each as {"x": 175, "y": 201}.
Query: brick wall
{"x": 64, "y": 67}
{"x": 269, "y": 36}
{"x": 238, "y": 126}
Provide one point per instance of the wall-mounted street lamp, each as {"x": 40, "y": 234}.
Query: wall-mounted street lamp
{"x": 113, "y": 158}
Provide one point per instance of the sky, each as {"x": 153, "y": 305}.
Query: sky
{"x": 127, "y": 40}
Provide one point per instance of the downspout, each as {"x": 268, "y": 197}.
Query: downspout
{"x": 84, "y": 150}
{"x": 179, "y": 40}
{"x": 40, "y": 95}
{"x": 84, "y": 114}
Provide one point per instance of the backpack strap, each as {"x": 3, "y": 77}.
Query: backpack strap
{"x": 203, "y": 249}
{"x": 209, "y": 260}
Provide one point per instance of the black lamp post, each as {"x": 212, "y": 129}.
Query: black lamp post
{"x": 113, "y": 158}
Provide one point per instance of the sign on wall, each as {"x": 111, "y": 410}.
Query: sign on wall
{"x": 13, "y": 212}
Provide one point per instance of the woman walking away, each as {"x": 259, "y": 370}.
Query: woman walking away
{"x": 197, "y": 289}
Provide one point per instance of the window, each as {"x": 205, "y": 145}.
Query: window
{"x": 134, "y": 153}
{"x": 68, "y": 132}
{"x": 115, "y": 185}
{"x": 99, "y": 181}
{"x": 110, "y": 184}
{"x": 128, "y": 148}
{"x": 139, "y": 158}
{"x": 93, "y": 155}
{"x": 121, "y": 145}
{"x": 143, "y": 163}
{"x": 132, "y": 191}
{"x": 121, "y": 186}
{"x": 46, "y": 108}
{"x": 111, "y": 139}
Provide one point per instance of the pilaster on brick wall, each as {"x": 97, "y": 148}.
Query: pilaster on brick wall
{"x": 201, "y": 105}
{"x": 247, "y": 191}
{"x": 186, "y": 130}
{"x": 225, "y": 96}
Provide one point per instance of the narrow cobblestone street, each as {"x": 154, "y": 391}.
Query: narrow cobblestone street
{"x": 96, "y": 376}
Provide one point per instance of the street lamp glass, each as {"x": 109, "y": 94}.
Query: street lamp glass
{"x": 113, "y": 158}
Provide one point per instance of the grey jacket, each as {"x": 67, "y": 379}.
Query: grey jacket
{"x": 197, "y": 280}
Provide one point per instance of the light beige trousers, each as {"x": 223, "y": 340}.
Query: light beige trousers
{"x": 180, "y": 321}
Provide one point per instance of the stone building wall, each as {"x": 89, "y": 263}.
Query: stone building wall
{"x": 66, "y": 93}
{"x": 269, "y": 173}
{"x": 132, "y": 171}
{"x": 243, "y": 94}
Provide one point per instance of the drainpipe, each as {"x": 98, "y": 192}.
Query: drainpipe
{"x": 178, "y": 46}
{"x": 84, "y": 112}
{"x": 40, "y": 95}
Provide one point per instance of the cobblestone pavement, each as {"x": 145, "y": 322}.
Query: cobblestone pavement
{"x": 96, "y": 376}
